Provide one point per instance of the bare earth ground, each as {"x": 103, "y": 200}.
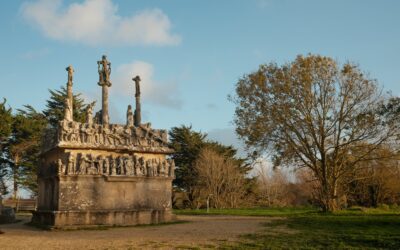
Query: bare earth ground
{"x": 199, "y": 232}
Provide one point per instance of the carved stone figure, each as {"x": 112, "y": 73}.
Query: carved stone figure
{"x": 68, "y": 110}
{"x": 162, "y": 168}
{"x": 60, "y": 167}
{"x": 98, "y": 134}
{"x": 117, "y": 134}
{"x": 98, "y": 117}
{"x": 70, "y": 71}
{"x": 82, "y": 164}
{"x": 113, "y": 166}
{"x": 171, "y": 172}
{"x": 106, "y": 166}
{"x": 143, "y": 168}
{"x": 83, "y": 133}
{"x": 89, "y": 113}
{"x": 100, "y": 164}
{"x": 127, "y": 135}
{"x": 75, "y": 131}
{"x": 120, "y": 165}
{"x": 129, "y": 117}
{"x": 71, "y": 164}
{"x": 138, "y": 167}
{"x": 129, "y": 169}
{"x": 89, "y": 134}
{"x": 104, "y": 68}
{"x": 91, "y": 168}
{"x": 154, "y": 167}
{"x": 107, "y": 136}
{"x": 149, "y": 166}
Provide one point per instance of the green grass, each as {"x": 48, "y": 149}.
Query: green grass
{"x": 369, "y": 211}
{"x": 277, "y": 212}
{"x": 328, "y": 232}
{"x": 307, "y": 228}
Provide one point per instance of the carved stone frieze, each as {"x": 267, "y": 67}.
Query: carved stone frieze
{"x": 110, "y": 165}
{"x": 109, "y": 136}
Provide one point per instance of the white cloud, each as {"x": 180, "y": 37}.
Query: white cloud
{"x": 164, "y": 94}
{"x": 35, "y": 54}
{"x": 96, "y": 22}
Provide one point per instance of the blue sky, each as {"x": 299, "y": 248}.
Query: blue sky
{"x": 189, "y": 53}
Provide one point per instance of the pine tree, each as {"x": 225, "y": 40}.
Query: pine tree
{"x": 5, "y": 133}
{"x": 23, "y": 148}
{"x": 54, "y": 111}
{"x": 187, "y": 145}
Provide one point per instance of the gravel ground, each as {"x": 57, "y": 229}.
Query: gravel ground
{"x": 197, "y": 232}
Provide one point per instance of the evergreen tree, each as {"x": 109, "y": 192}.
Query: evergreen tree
{"x": 188, "y": 145}
{"x": 5, "y": 133}
{"x": 23, "y": 148}
{"x": 20, "y": 138}
{"x": 54, "y": 111}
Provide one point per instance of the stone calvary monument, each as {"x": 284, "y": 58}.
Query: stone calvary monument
{"x": 97, "y": 173}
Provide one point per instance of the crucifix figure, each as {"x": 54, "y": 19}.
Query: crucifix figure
{"x": 138, "y": 116}
{"x": 104, "y": 68}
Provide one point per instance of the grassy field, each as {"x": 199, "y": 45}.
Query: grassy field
{"x": 278, "y": 212}
{"x": 305, "y": 228}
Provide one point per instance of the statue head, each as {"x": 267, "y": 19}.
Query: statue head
{"x": 136, "y": 79}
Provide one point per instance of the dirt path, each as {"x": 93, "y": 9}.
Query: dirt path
{"x": 199, "y": 232}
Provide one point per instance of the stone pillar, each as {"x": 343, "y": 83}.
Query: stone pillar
{"x": 104, "y": 105}
{"x": 138, "y": 115}
{"x": 104, "y": 68}
{"x": 69, "y": 111}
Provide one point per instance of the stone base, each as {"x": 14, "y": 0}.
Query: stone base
{"x": 63, "y": 219}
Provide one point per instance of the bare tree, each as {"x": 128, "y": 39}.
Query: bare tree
{"x": 377, "y": 181}
{"x": 272, "y": 186}
{"x": 313, "y": 113}
{"x": 219, "y": 178}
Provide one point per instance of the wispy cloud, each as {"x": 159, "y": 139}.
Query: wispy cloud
{"x": 211, "y": 106}
{"x": 164, "y": 94}
{"x": 263, "y": 3}
{"x": 34, "y": 54}
{"x": 227, "y": 136}
{"x": 96, "y": 22}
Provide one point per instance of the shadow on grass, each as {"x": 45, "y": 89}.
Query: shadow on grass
{"x": 327, "y": 232}
{"x": 309, "y": 228}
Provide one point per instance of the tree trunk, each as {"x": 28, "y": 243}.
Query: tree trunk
{"x": 329, "y": 199}
{"x": 15, "y": 183}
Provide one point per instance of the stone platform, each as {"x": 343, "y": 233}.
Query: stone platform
{"x": 65, "y": 219}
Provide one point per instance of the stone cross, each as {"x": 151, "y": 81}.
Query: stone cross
{"x": 138, "y": 116}
{"x": 68, "y": 104}
{"x": 104, "y": 68}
